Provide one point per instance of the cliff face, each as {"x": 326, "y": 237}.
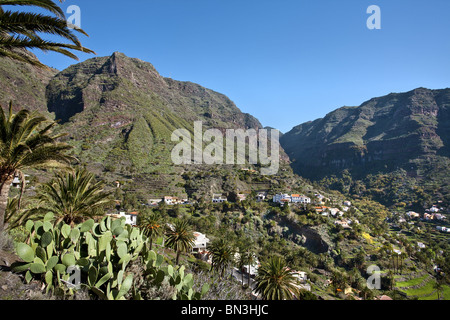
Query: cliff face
{"x": 24, "y": 85}
{"x": 382, "y": 134}
{"x": 122, "y": 112}
{"x": 121, "y": 83}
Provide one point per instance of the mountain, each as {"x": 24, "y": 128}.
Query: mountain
{"x": 24, "y": 85}
{"x": 401, "y": 131}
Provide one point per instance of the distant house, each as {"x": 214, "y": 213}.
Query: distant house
{"x": 241, "y": 196}
{"x": 296, "y": 198}
{"x": 428, "y": 216}
{"x": 16, "y": 183}
{"x": 333, "y": 211}
{"x": 169, "y": 200}
{"x": 321, "y": 209}
{"x": 420, "y": 245}
{"x": 130, "y": 218}
{"x": 252, "y": 269}
{"x": 218, "y": 198}
{"x": 434, "y": 209}
{"x": 301, "y": 276}
{"x": 443, "y": 229}
{"x": 200, "y": 242}
{"x": 412, "y": 214}
{"x": 439, "y": 216}
{"x": 261, "y": 196}
{"x": 347, "y": 203}
{"x": 154, "y": 201}
{"x": 281, "y": 198}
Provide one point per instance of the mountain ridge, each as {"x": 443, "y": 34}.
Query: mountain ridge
{"x": 400, "y": 131}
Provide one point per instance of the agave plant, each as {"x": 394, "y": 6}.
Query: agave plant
{"x": 23, "y": 30}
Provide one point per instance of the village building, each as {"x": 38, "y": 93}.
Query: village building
{"x": 241, "y": 196}
{"x": 218, "y": 198}
{"x": 412, "y": 214}
{"x": 261, "y": 196}
{"x": 130, "y": 218}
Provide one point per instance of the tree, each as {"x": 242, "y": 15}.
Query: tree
{"x": 73, "y": 197}
{"x": 152, "y": 224}
{"x": 180, "y": 238}
{"x": 222, "y": 256}
{"x": 438, "y": 287}
{"x": 15, "y": 217}
{"x": 26, "y": 141}
{"x": 338, "y": 281}
{"x": 275, "y": 281}
{"x": 251, "y": 258}
{"x": 23, "y": 30}
{"x": 241, "y": 261}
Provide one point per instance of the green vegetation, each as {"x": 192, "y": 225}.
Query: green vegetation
{"x": 105, "y": 253}
{"x": 24, "y": 30}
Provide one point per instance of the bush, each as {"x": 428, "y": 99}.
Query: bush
{"x": 6, "y": 242}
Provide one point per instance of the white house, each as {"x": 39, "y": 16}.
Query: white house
{"x": 434, "y": 209}
{"x": 412, "y": 214}
{"x": 241, "y": 196}
{"x": 294, "y": 198}
{"x": 130, "y": 218}
{"x": 16, "y": 181}
{"x": 261, "y": 196}
{"x": 218, "y": 198}
{"x": 439, "y": 216}
{"x": 347, "y": 203}
{"x": 169, "y": 200}
{"x": 281, "y": 197}
{"x": 200, "y": 242}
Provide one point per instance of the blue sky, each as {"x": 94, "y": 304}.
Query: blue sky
{"x": 285, "y": 62}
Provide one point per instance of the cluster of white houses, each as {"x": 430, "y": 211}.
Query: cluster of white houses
{"x": 290, "y": 198}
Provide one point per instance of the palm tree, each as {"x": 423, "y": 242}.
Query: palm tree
{"x": 275, "y": 281}
{"x": 73, "y": 197}
{"x": 152, "y": 225}
{"x": 222, "y": 256}
{"x": 241, "y": 261}
{"x": 26, "y": 141}
{"x": 438, "y": 287}
{"x": 251, "y": 258}
{"x": 22, "y": 30}
{"x": 15, "y": 217}
{"x": 338, "y": 281}
{"x": 180, "y": 238}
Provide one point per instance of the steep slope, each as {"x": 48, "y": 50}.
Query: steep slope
{"x": 120, "y": 114}
{"x": 408, "y": 131}
{"x": 24, "y": 85}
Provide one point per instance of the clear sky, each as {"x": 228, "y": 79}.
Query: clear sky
{"x": 284, "y": 61}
